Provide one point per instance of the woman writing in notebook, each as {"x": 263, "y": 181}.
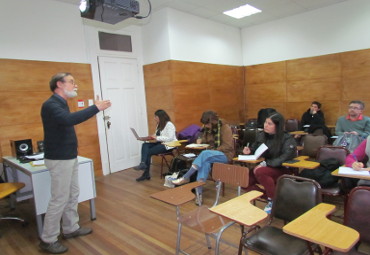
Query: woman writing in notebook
{"x": 281, "y": 147}
{"x": 165, "y": 132}
{"x": 356, "y": 159}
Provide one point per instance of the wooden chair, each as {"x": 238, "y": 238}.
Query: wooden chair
{"x": 312, "y": 143}
{"x": 356, "y": 216}
{"x": 201, "y": 219}
{"x": 294, "y": 196}
{"x": 291, "y": 125}
{"x": 172, "y": 153}
{"x": 7, "y": 189}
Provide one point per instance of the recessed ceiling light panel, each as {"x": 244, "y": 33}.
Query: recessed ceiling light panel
{"x": 242, "y": 11}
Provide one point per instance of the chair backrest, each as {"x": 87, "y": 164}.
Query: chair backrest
{"x": 294, "y": 196}
{"x": 291, "y": 125}
{"x": 312, "y": 143}
{"x": 357, "y": 212}
{"x": 250, "y": 135}
{"x": 329, "y": 151}
{"x": 231, "y": 174}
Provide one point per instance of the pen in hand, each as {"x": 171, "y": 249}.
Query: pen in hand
{"x": 359, "y": 165}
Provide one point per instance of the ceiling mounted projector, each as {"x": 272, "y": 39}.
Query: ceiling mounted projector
{"x": 109, "y": 11}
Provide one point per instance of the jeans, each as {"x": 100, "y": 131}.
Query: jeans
{"x": 204, "y": 161}
{"x": 148, "y": 150}
{"x": 267, "y": 177}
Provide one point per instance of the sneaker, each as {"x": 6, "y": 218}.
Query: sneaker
{"x": 199, "y": 200}
{"x": 54, "y": 248}
{"x": 78, "y": 232}
{"x": 141, "y": 166}
{"x": 180, "y": 181}
{"x": 268, "y": 207}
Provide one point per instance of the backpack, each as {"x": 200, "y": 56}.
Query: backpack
{"x": 322, "y": 174}
{"x": 178, "y": 163}
{"x": 189, "y": 133}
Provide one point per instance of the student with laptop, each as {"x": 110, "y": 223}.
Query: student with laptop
{"x": 281, "y": 147}
{"x": 165, "y": 132}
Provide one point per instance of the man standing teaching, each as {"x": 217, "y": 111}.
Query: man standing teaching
{"x": 60, "y": 148}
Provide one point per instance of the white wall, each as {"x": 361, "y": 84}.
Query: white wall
{"x": 175, "y": 35}
{"x": 156, "y": 44}
{"x": 337, "y": 28}
{"x": 41, "y": 30}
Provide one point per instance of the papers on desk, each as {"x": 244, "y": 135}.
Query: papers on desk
{"x": 260, "y": 150}
{"x": 38, "y": 156}
{"x": 195, "y": 145}
{"x": 350, "y": 171}
{"x": 37, "y": 163}
{"x": 189, "y": 155}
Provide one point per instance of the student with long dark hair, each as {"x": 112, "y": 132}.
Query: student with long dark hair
{"x": 281, "y": 147}
{"x": 165, "y": 132}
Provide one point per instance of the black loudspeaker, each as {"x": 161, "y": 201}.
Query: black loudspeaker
{"x": 40, "y": 146}
{"x": 21, "y": 147}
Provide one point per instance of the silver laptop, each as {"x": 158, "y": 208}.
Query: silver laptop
{"x": 141, "y": 138}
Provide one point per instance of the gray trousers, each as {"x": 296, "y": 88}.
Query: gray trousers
{"x": 64, "y": 199}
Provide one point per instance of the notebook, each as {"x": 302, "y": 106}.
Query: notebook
{"x": 142, "y": 138}
{"x": 260, "y": 150}
{"x": 350, "y": 171}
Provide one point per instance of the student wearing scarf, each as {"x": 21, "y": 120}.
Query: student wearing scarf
{"x": 217, "y": 133}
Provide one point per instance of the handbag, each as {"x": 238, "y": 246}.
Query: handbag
{"x": 349, "y": 141}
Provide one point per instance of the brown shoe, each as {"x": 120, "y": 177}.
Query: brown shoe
{"x": 79, "y": 232}
{"x": 54, "y": 248}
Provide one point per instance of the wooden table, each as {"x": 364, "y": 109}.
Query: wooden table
{"x": 37, "y": 180}
{"x": 298, "y": 132}
{"x": 336, "y": 173}
{"x": 315, "y": 227}
{"x": 241, "y": 210}
{"x": 195, "y": 146}
{"x": 302, "y": 163}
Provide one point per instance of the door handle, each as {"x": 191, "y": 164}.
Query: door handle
{"x": 106, "y": 117}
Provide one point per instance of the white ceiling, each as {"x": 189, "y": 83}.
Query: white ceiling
{"x": 212, "y": 9}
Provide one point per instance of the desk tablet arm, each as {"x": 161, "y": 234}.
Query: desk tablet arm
{"x": 177, "y": 196}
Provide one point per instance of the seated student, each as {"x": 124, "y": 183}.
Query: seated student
{"x": 165, "y": 132}
{"x": 313, "y": 120}
{"x": 355, "y": 160}
{"x": 281, "y": 147}
{"x": 217, "y": 133}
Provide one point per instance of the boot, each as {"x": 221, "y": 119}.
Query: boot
{"x": 144, "y": 177}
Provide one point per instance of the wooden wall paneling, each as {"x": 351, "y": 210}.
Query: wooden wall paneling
{"x": 314, "y": 90}
{"x": 158, "y": 74}
{"x": 157, "y": 78}
{"x": 188, "y": 73}
{"x": 356, "y": 77}
{"x": 314, "y": 68}
{"x": 265, "y": 73}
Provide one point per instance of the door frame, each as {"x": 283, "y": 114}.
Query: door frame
{"x": 93, "y": 52}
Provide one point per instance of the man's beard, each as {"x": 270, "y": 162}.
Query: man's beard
{"x": 70, "y": 94}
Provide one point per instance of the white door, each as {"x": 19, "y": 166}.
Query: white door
{"x": 119, "y": 82}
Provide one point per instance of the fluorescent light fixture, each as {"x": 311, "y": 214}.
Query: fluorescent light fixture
{"x": 242, "y": 11}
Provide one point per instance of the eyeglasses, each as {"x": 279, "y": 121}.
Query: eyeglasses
{"x": 354, "y": 108}
{"x": 70, "y": 81}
